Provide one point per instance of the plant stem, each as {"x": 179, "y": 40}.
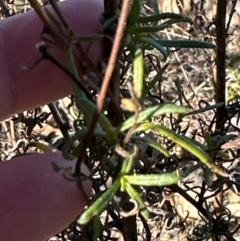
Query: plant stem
{"x": 110, "y": 9}
{"x": 221, "y": 64}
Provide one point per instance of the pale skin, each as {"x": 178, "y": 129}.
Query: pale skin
{"x": 35, "y": 201}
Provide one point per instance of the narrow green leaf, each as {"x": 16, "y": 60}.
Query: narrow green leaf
{"x": 158, "y": 17}
{"x": 122, "y": 185}
{"x": 108, "y": 23}
{"x": 208, "y": 139}
{"x": 78, "y": 136}
{"x": 136, "y": 196}
{"x": 179, "y": 90}
{"x": 149, "y": 180}
{"x": 44, "y": 147}
{"x": 208, "y": 178}
{"x": 157, "y": 78}
{"x": 155, "y": 43}
{"x": 133, "y": 15}
{"x": 97, "y": 228}
{"x": 153, "y": 111}
{"x": 101, "y": 135}
{"x": 185, "y": 143}
{"x": 138, "y": 72}
{"x": 174, "y": 21}
{"x": 127, "y": 165}
{"x": 128, "y": 42}
{"x": 86, "y": 106}
{"x": 150, "y": 29}
{"x": 99, "y": 205}
{"x": 158, "y": 147}
{"x": 201, "y": 110}
{"x": 186, "y": 43}
{"x": 54, "y": 21}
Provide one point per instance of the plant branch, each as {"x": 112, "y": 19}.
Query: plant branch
{"x": 114, "y": 53}
{"x": 221, "y": 64}
{"x": 59, "y": 121}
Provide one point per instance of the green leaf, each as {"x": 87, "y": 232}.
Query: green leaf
{"x": 133, "y": 15}
{"x": 201, "y": 110}
{"x": 157, "y": 78}
{"x": 150, "y": 29}
{"x": 108, "y": 23}
{"x": 174, "y": 21}
{"x": 79, "y": 134}
{"x": 55, "y": 21}
{"x": 208, "y": 178}
{"x": 127, "y": 42}
{"x": 179, "y": 90}
{"x": 127, "y": 165}
{"x": 85, "y": 105}
{"x": 185, "y": 143}
{"x": 186, "y": 43}
{"x": 76, "y": 151}
{"x": 44, "y": 147}
{"x": 136, "y": 196}
{"x": 153, "y": 111}
{"x": 88, "y": 108}
{"x": 155, "y": 43}
{"x": 158, "y": 17}
{"x": 149, "y": 180}
{"x": 158, "y": 147}
{"x": 209, "y": 140}
{"x": 97, "y": 228}
{"x": 99, "y": 205}
{"x": 138, "y": 72}
{"x": 162, "y": 26}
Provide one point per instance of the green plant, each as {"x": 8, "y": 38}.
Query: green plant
{"x": 115, "y": 151}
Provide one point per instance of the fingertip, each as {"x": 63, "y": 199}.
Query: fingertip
{"x": 37, "y": 202}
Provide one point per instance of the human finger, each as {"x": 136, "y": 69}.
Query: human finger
{"x": 44, "y": 83}
{"x": 35, "y": 201}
